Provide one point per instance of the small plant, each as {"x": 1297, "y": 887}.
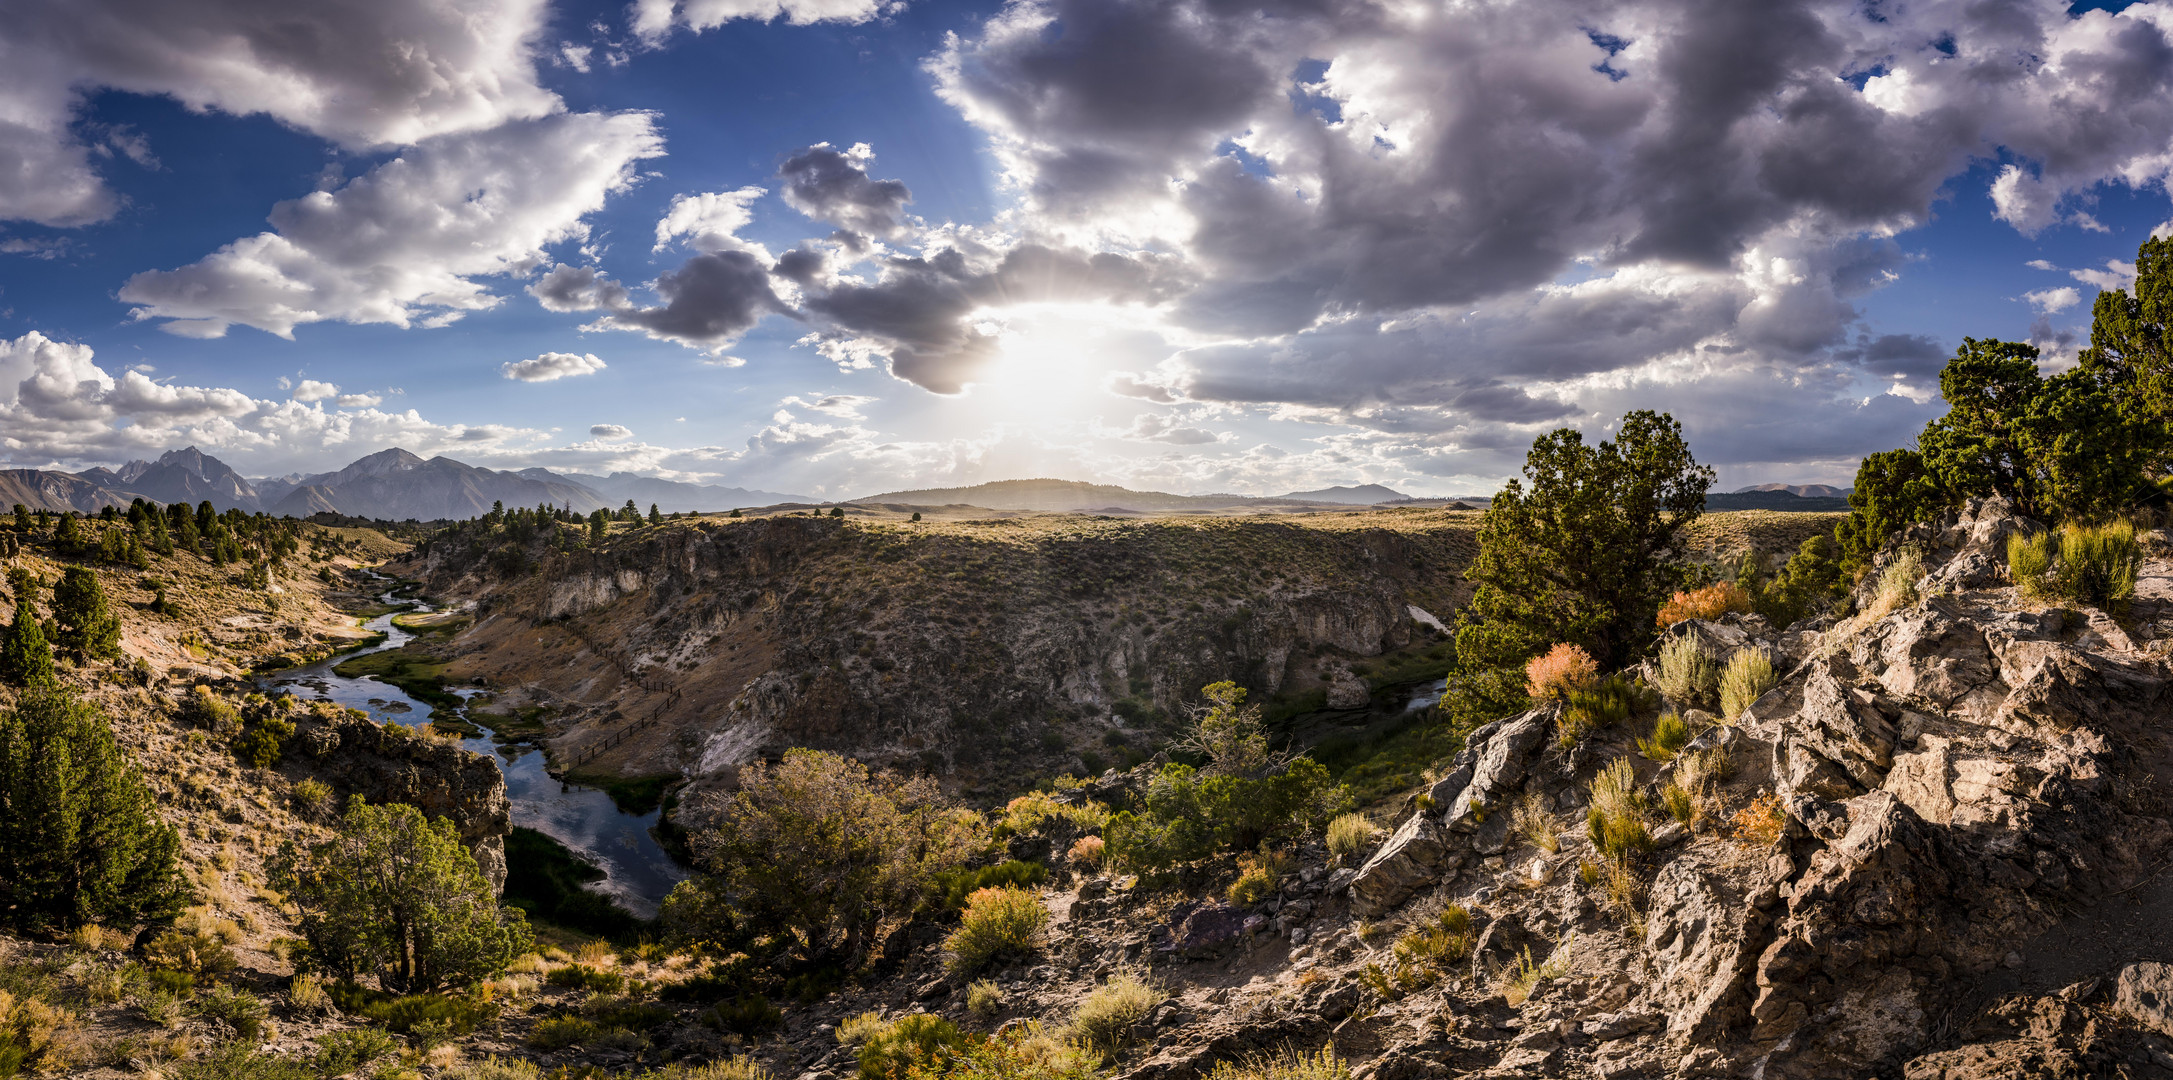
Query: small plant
{"x": 1679, "y": 802}
{"x": 984, "y": 998}
{"x": 1532, "y": 821}
{"x": 910, "y": 1038}
{"x": 1669, "y": 734}
{"x": 854, "y": 1030}
{"x": 1688, "y": 674}
{"x": 1103, "y": 1022}
{"x": 2029, "y": 564}
{"x": 1760, "y": 823}
{"x": 1524, "y": 976}
{"x": 2099, "y": 564}
{"x": 1897, "y": 584}
{"x": 1425, "y": 951}
{"x": 1749, "y": 676}
{"x": 953, "y": 887}
{"x": 306, "y": 995}
{"x": 239, "y": 1010}
{"x": 584, "y": 977}
{"x": 1258, "y": 876}
{"x": 1561, "y": 671}
{"x": 996, "y": 922}
{"x": 1289, "y": 1065}
{"x": 1601, "y": 705}
{"x": 560, "y": 1032}
{"x": 1710, "y": 602}
{"x": 1350, "y": 834}
{"x": 347, "y": 1051}
{"x": 1086, "y": 852}
{"x": 312, "y": 798}
{"x": 189, "y": 952}
{"x": 1588, "y": 873}
{"x": 161, "y": 1007}
{"x": 745, "y": 1014}
{"x": 1616, "y": 820}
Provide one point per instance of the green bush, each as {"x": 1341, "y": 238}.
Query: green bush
{"x": 584, "y": 977}
{"x": 1669, "y": 734}
{"x": 560, "y": 1032}
{"x": 997, "y": 922}
{"x": 1592, "y": 708}
{"x": 1350, "y": 834}
{"x": 2029, "y": 563}
{"x": 1616, "y": 819}
{"x": 1185, "y": 817}
{"x": 347, "y": 1051}
{"x": 2099, "y": 564}
{"x": 910, "y": 1038}
{"x": 1688, "y": 674}
{"x": 260, "y": 744}
{"x": 413, "y": 1012}
{"x": 954, "y": 886}
{"x": 746, "y": 1014}
{"x": 240, "y": 1061}
{"x": 1748, "y": 677}
{"x": 1104, "y": 1021}
{"x": 239, "y": 1010}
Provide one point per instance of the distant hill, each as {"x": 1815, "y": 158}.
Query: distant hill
{"x": 41, "y": 489}
{"x": 1809, "y": 491}
{"x": 1060, "y": 496}
{"x": 1364, "y": 495}
{"x": 187, "y": 475}
{"x": 1774, "y": 499}
{"x": 669, "y": 496}
{"x": 394, "y": 485}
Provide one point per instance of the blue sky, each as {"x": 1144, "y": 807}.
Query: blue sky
{"x": 1195, "y": 246}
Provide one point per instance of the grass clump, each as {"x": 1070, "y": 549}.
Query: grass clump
{"x": 997, "y": 922}
{"x": 1436, "y": 942}
{"x": 1086, "y": 852}
{"x": 1258, "y": 876}
{"x": 954, "y": 887}
{"x": 1669, "y": 735}
{"x": 1289, "y": 1065}
{"x": 584, "y": 977}
{"x": 1749, "y": 676}
{"x": 1760, "y": 823}
{"x": 2086, "y": 564}
{"x": 240, "y": 1011}
{"x": 1559, "y": 672}
{"x": 1524, "y": 976}
{"x": 1592, "y": 708}
{"x": 890, "y": 1048}
{"x": 1616, "y": 820}
{"x": 1103, "y": 1022}
{"x": 1531, "y": 821}
{"x": 2029, "y": 564}
{"x": 1688, "y": 674}
{"x": 1710, "y": 602}
{"x": 1351, "y": 834}
{"x": 37, "y": 1036}
{"x": 984, "y": 998}
{"x": 348, "y": 1051}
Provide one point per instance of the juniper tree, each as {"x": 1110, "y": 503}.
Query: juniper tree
{"x": 398, "y": 896}
{"x": 78, "y": 828}
{"x": 25, "y": 657}
{"x": 88, "y": 628}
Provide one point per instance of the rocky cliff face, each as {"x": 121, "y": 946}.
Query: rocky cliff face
{"x": 1970, "y": 833}
{"x": 974, "y": 650}
{"x": 385, "y": 763}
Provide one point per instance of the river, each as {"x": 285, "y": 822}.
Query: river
{"x": 637, "y": 871}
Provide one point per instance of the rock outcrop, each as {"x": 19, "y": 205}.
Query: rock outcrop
{"x": 386, "y": 763}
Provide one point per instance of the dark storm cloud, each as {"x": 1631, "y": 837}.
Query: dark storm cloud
{"x": 833, "y": 185}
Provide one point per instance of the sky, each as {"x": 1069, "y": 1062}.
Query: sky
{"x": 837, "y": 247}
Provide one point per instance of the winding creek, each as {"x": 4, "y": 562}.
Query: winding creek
{"x": 638, "y": 872}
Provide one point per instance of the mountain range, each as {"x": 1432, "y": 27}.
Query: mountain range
{"x": 1062, "y": 495}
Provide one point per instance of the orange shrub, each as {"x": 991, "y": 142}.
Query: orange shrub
{"x": 1087, "y": 851}
{"x": 1760, "y": 823}
{"x": 1563, "y": 669}
{"x": 1710, "y": 602}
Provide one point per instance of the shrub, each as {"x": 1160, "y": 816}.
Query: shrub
{"x": 1086, "y": 852}
{"x": 1669, "y": 734}
{"x": 1351, "y": 834}
{"x": 347, "y": 1051}
{"x": 1258, "y": 875}
{"x": 260, "y": 744}
{"x": 952, "y": 888}
{"x": 996, "y": 922}
{"x": 1561, "y": 670}
{"x": 240, "y": 1010}
{"x": 819, "y": 850}
{"x": 417, "y": 1012}
{"x": 1680, "y": 803}
{"x": 898, "y": 1044}
{"x": 1026, "y": 813}
{"x": 1602, "y": 705}
{"x": 1710, "y": 602}
{"x": 189, "y": 952}
{"x": 1616, "y": 820}
{"x": 1187, "y": 816}
{"x": 1749, "y": 676}
{"x": 305, "y": 994}
{"x": 38, "y": 1036}
{"x": 1289, "y": 1065}
{"x": 744, "y": 1014}
{"x": 854, "y": 1030}
{"x": 1525, "y": 975}
{"x": 1103, "y": 1022}
{"x": 1531, "y": 820}
{"x": 1436, "y": 942}
{"x": 584, "y": 977}
{"x": 1897, "y": 584}
{"x": 1759, "y": 824}
{"x": 2029, "y": 564}
{"x": 984, "y": 998}
{"x": 2099, "y": 564}
{"x": 560, "y": 1032}
{"x": 1024, "y": 1052}
{"x": 312, "y": 798}
{"x": 1688, "y": 674}
{"x": 241, "y": 1061}
{"x": 399, "y": 896}
{"x": 81, "y": 832}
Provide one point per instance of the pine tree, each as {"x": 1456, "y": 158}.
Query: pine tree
{"x": 78, "y": 828}
{"x": 654, "y": 517}
{"x": 25, "y": 658}
{"x": 88, "y": 627}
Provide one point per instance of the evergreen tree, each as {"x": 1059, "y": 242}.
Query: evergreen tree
{"x": 628, "y": 512}
{"x": 25, "y": 658}
{"x": 78, "y": 828}
{"x": 1589, "y": 550}
{"x": 22, "y": 518}
{"x": 88, "y": 627}
{"x": 654, "y": 517}
{"x": 399, "y": 896}
{"x": 206, "y": 517}
{"x": 599, "y": 524}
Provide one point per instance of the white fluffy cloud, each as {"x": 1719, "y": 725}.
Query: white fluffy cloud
{"x": 655, "y": 19}
{"x": 405, "y": 242}
{"x": 707, "y": 220}
{"x": 363, "y": 73}
{"x": 312, "y": 390}
{"x": 552, "y": 365}
{"x": 611, "y": 432}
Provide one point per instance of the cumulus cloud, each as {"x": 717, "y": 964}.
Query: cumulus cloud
{"x": 611, "y": 432}
{"x": 359, "y": 401}
{"x": 364, "y": 73}
{"x": 708, "y": 221}
{"x": 404, "y": 243}
{"x": 843, "y": 406}
{"x": 833, "y": 185}
{"x": 2052, "y": 301}
{"x": 313, "y": 390}
{"x": 552, "y": 365}
{"x": 1155, "y": 427}
{"x": 655, "y": 19}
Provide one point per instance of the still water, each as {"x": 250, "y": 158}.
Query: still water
{"x": 637, "y": 871}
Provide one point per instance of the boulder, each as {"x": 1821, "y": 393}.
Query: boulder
{"x": 2144, "y": 993}
{"x": 1413, "y": 857}
{"x": 1498, "y": 767}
